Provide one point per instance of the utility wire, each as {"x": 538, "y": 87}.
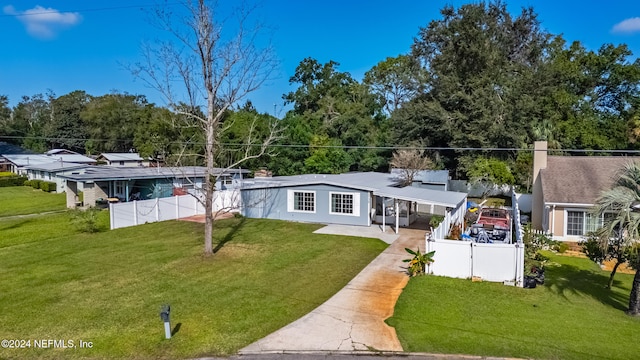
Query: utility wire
{"x": 372, "y": 147}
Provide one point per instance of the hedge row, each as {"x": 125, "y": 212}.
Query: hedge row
{"x": 42, "y": 185}
{"x": 6, "y": 181}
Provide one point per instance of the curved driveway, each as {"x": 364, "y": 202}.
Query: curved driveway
{"x": 353, "y": 319}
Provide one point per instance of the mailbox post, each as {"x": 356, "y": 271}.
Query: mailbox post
{"x": 164, "y": 315}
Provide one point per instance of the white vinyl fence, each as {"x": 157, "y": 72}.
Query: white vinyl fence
{"x": 465, "y": 259}
{"x": 175, "y": 207}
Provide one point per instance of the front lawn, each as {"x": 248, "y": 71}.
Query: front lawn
{"x": 108, "y": 287}
{"x": 571, "y": 317}
{"x": 20, "y": 200}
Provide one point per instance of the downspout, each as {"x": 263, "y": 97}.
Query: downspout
{"x": 553, "y": 221}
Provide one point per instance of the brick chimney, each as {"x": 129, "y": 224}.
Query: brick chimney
{"x": 263, "y": 173}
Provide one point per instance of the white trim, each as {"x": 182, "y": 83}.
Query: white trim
{"x": 355, "y": 203}
{"x": 576, "y": 205}
{"x": 584, "y": 223}
{"x": 291, "y": 197}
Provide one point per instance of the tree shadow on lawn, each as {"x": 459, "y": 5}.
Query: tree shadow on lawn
{"x": 230, "y": 235}
{"x": 564, "y": 278}
{"x": 14, "y": 223}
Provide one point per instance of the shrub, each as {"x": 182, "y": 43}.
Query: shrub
{"x": 6, "y": 181}
{"x": 35, "y": 183}
{"x": 435, "y": 220}
{"x": 418, "y": 263}
{"x": 47, "y": 186}
{"x": 85, "y": 220}
{"x": 455, "y": 232}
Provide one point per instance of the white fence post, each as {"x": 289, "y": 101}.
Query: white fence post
{"x": 111, "y": 217}
{"x": 157, "y": 209}
{"x": 135, "y": 212}
{"x": 177, "y": 207}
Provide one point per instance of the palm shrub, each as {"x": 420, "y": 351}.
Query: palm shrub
{"x": 418, "y": 263}
{"x": 621, "y": 205}
{"x": 85, "y": 220}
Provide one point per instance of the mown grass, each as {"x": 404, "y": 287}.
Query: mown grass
{"x": 108, "y": 287}
{"x": 20, "y": 200}
{"x": 571, "y": 317}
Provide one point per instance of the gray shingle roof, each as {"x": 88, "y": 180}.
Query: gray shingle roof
{"x": 579, "y": 179}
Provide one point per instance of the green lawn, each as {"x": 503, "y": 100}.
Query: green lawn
{"x": 20, "y": 200}
{"x": 571, "y": 317}
{"x": 108, "y": 287}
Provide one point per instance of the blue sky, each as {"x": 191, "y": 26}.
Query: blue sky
{"x": 82, "y": 45}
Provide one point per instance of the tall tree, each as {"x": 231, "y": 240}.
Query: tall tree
{"x": 29, "y": 118}
{"x": 218, "y": 65}
{"x": 331, "y": 103}
{"x": 396, "y": 80}
{"x": 111, "y": 121}
{"x": 480, "y": 90}
{"x": 65, "y": 128}
{"x": 621, "y": 201}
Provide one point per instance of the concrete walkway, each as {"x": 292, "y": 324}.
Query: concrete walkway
{"x": 353, "y": 319}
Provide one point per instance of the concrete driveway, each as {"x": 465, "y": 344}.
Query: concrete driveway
{"x": 353, "y": 319}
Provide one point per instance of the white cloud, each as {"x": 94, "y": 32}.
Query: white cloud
{"x": 43, "y": 22}
{"x": 627, "y": 26}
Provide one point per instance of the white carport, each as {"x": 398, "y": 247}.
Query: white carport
{"x": 454, "y": 202}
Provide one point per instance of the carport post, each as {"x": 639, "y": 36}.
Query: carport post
{"x": 384, "y": 214}
{"x": 397, "y": 215}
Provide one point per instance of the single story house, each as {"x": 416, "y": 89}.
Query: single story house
{"x": 19, "y": 162}
{"x": 51, "y": 172}
{"x": 565, "y": 189}
{"x": 350, "y": 199}
{"x": 6, "y": 148}
{"x": 123, "y": 159}
{"x": 141, "y": 183}
{"x": 427, "y": 179}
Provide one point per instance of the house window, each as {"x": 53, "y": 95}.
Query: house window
{"x": 301, "y": 201}
{"x": 575, "y": 223}
{"x": 341, "y": 203}
{"x": 579, "y": 223}
{"x": 121, "y": 163}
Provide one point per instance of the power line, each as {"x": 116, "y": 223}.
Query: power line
{"x": 365, "y": 147}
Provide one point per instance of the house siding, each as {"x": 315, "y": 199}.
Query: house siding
{"x": 272, "y": 203}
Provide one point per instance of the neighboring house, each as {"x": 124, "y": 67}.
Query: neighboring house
{"x": 427, "y": 179}
{"x": 5, "y": 148}
{"x": 123, "y": 159}
{"x": 53, "y": 170}
{"x": 350, "y": 199}
{"x": 141, "y": 183}
{"x": 565, "y": 189}
{"x": 18, "y": 162}
{"x": 61, "y": 152}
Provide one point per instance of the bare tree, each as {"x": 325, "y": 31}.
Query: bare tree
{"x": 210, "y": 71}
{"x": 409, "y": 163}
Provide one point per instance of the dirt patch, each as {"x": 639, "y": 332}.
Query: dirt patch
{"x": 201, "y": 218}
{"x": 606, "y": 265}
{"x": 623, "y": 268}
